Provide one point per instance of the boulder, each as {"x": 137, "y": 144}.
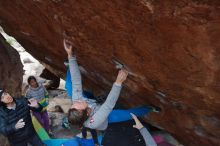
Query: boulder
{"x": 170, "y": 47}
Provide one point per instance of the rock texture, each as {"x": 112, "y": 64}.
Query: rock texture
{"x": 170, "y": 47}
{"x": 54, "y": 80}
{"x": 11, "y": 72}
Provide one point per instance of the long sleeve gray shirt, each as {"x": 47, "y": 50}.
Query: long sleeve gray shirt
{"x": 38, "y": 93}
{"x": 149, "y": 141}
{"x": 99, "y": 116}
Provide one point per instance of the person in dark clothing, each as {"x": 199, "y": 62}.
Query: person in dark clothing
{"x": 93, "y": 133}
{"x": 15, "y": 120}
{"x": 149, "y": 141}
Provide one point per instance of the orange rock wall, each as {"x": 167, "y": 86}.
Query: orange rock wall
{"x": 170, "y": 47}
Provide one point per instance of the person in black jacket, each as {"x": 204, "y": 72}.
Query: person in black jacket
{"x": 15, "y": 120}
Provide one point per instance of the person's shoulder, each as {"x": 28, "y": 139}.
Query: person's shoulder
{"x": 40, "y": 85}
{"x": 2, "y": 111}
{"x": 21, "y": 99}
{"x": 28, "y": 90}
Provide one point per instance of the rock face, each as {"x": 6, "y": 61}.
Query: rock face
{"x": 11, "y": 72}
{"x": 171, "y": 49}
{"x": 54, "y": 80}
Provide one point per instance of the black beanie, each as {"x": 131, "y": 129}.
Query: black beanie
{"x": 1, "y": 92}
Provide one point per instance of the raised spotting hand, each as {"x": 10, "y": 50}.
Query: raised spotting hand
{"x": 138, "y": 124}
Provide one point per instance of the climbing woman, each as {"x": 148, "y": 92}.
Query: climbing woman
{"x": 86, "y": 112}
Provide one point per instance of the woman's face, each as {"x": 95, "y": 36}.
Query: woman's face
{"x": 6, "y": 98}
{"x": 79, "y": 105}
{"x": 33, "y": 83}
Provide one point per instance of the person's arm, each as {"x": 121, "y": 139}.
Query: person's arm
{"x": 76, "y": 79}
{"x": 6, "y": 129}
{"x": 74, "y": 72}
{"x": 45, "y": 92}
{"x": 32, "y": 104}
{"x": 28, "y": 95}
{"x": 149, "y": 141}
{"x": 37, "y": 108}
{"x": 44, "y": 102}
{"x": 103, "y": 112}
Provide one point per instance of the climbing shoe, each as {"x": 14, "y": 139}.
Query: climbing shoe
{"x": 155, "y": 109}
{"x": 66, "y": 63}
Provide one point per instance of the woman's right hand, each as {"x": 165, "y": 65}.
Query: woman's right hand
{"x": 68, "y": 47}
{"x": 33, "y": 103}
{"x": 20, "y": 124}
